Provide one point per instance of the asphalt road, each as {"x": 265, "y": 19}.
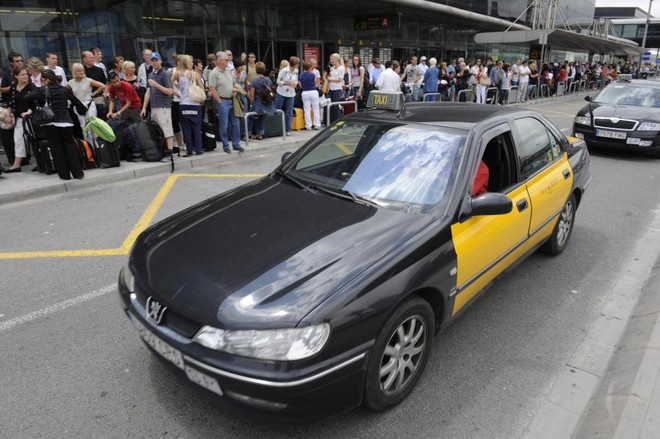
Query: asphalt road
{"x": 73, "y": 366}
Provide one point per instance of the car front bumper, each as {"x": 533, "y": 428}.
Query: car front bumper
{"x": 641, "y": 142}
{"x": 270, "y": 390}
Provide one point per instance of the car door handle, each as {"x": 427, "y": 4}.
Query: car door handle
{"x": 566, "y": 173}
{"x": 522, "y": 205}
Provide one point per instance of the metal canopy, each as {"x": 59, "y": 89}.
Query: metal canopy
{"x": 563, "y": 40}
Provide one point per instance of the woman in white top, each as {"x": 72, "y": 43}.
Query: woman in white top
{"x": 190, "y": 112}
{"x": 287, "y": 81}
{"x": 175, "y": 112}
{"x": 81, "y": 86}
{"x": 336, "y": 81}
{"x": 483, "y": 82}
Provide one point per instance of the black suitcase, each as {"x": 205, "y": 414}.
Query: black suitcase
{"x": 273, "y": 125}
{"x": 208, "y": 136}
{"x": 39, "y": 147}
{"x": 107, "y": 153}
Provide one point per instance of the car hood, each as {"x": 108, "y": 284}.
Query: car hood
{"x": 263, "y": 255}
{"x": 621, "y": 111}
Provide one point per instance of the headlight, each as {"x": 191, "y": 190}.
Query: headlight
{"x": 582, "y": 120}
{"x": 272, "y": 344}
{"x": 128, "y": 278}
{"x": 649, "y": 126}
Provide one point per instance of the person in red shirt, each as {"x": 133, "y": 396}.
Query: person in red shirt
{"x": 129, "y": 100}
{"x": 480, "y": 184}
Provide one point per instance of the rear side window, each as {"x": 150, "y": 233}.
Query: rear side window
{"x": 537, "y": 147}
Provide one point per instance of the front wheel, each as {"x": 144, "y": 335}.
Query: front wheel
{"x": 562, "y": 232}
{"x": 400, "y": 355}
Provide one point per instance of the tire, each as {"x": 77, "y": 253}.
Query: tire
{"x": 563, "y": 229}
{"x": 399, "y": 355}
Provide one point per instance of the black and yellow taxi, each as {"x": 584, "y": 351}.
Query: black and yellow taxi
{"x": 322, "y": 285}
{"x": 624, "y": 115}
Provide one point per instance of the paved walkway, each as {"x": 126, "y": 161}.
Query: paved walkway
{"x": 26, "y": 184}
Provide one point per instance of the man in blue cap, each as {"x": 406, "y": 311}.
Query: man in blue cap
{"x": 159, "y": 93}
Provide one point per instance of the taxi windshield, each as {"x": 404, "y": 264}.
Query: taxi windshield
{"x": 402, "y": 167}
{"x": 625, "y": 94}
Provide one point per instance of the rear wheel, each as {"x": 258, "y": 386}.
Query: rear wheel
{"x": 563, "y": 229}
{"x": 400, "y": 355}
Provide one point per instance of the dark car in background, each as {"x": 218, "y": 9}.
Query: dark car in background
{"x": 623, "y": 115}
{"x": 322, "y": 285}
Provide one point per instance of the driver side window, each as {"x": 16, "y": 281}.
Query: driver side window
{"x": 536, "y": 149}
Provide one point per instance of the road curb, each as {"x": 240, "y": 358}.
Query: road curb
{"x": 38, "y": 185}
{"x": 579, "y": 403}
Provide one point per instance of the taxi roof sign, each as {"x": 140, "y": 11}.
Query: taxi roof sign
{"x": 386, "y": 100}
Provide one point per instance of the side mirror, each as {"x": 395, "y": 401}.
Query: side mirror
{"x": 286, "y": 156}
{"x": 490, "y": 203}
{"x": 587, "y": 98}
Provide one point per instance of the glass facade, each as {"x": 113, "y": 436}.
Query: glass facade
{"x": 273, "y": 30}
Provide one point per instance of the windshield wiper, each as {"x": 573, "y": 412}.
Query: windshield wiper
{"x": 346, "y": 194}
{"x": 296, "y": 181}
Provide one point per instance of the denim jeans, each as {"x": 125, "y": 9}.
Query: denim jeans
{"x": 335, "y": 112}
{"x": 227, "y": 121}
{"x": 286, "y": 104}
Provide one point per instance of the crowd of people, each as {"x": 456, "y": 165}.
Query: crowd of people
{"x": 225, "y": 89}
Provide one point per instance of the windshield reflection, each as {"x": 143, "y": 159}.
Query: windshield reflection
{"x": 624, "y": 94}
{"x": 401, "y": 167}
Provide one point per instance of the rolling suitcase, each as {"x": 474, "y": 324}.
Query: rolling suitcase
{"x": 208, "y": 136}
{"x": 39, "y": 147}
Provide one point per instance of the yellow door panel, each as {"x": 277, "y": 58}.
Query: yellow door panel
{"x": 486, "y": 245}
{"x": 548, "y": 191}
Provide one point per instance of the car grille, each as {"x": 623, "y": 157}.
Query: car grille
{"x": 176, "y": 322}
{"x": 615, "y": 123}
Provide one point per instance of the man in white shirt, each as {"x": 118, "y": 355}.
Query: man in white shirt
{"x": 51, "y": 64}
{"x": 390, "y": 80}
{"x": 515, "y": 70}
{"x": 375, "y": 69}
{"x": 523, "y": 82}
{"x": 145, "y": 68}
{"x": 423, "y": 67}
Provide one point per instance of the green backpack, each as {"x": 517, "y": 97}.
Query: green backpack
{"x": 100, "y": 128}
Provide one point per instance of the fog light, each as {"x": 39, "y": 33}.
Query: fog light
{"x": 633, "y": 140}
{"x": 579, "y": 136}
{"x": 646, "y": 143}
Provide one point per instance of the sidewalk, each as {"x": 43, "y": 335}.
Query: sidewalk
{"x": 26, "y": 184}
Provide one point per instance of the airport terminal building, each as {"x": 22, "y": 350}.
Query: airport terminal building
{"x": 276, "y": 29}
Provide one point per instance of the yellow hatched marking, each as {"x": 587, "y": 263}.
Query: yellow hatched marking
{"x": 344, "y": 148}
{"x": 144, "y": 222}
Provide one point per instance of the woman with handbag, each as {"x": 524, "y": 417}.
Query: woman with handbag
{"x": 20, "y": 88}
{"x": 287, "y": 81}
{"x": 483, "y": 82}
{"x": 192, "y": 97}
{"x": 82, "y": 87}
{"x": 52, "y": 114}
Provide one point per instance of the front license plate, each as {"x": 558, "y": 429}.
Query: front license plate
{"x": 164, "y": 349}
{"x": 203, "y": 380}
{"x": 611, "y": 134}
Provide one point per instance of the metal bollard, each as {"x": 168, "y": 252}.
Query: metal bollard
{"x": 254, "y": 113}
{"x": 489, "y": 92}
{"x": 469, "y": 96}
{"x": 432, "y": 94}
{"x": 338, "y": 103}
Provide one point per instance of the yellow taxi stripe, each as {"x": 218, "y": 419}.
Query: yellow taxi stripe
{"x": 65, "y": 253}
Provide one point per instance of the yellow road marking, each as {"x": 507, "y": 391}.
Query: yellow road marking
{"x": 144, "y": 222}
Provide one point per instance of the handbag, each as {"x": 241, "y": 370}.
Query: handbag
{"x": 196, "y": 93}
{"x": 7, "y": 120}
{"x": 44, "y": 115}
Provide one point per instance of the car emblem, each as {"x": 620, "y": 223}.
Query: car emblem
{"x": 615, "y": 120}
{"x": 155, "y": 310}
